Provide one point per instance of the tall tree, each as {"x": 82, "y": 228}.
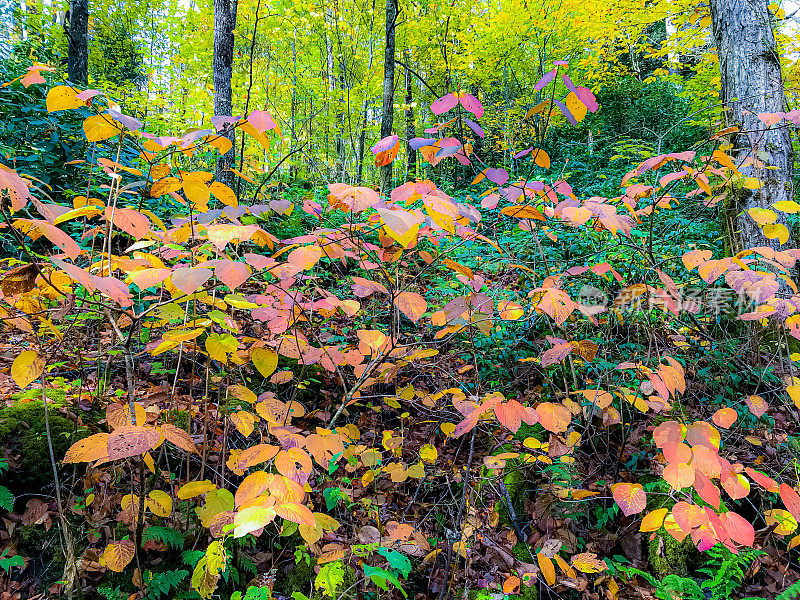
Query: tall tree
{"x": 78, "y": 42}
{"x": 387, "y": 115}
{"x": 224, "y": 24}
{"x": 751, "y": 83}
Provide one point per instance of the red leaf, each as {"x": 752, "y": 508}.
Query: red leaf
{"x": 791, "y": 499}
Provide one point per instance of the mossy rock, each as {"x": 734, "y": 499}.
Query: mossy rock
{"x": 668, "y": 557}
{"x": 23, "y": 432}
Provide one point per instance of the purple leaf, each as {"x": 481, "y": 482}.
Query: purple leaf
{"x": 523, "y": 153}
{"x": 88, "y": 94}
{"x": 498, "y": 176}
{"x": 386, "y": 143}
{"x": 280, "y": 206}
{"x": 475, "y": 127}
{"x": 560, "y": 63}
{"x": 548, "y": 77}
{"x": 472, "y": 104}
{"x": 568, "y": 82}
{"x": 565, "y": 111}
{"x": 449, "y": 147}
{"x": 443, "y": 104}
{"x": 586, "y": 96}
{"x": 130, "y": 123}
{"x": 418, "y": 142}
{"x": 220, "y": 121}
{"x": 262, "y": 120}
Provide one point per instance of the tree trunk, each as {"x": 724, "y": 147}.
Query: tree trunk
{"x": 78, "y": 43}
{"x": 411, "y": 130}
{"x": 387, "y": 115}
{"x": 224, "y": 24}
{"x": 751, "y": 83}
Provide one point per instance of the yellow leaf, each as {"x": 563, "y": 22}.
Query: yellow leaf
{"x": 100, "y": 127}
{"x": 159, "y": 503}
{"x": 762, "y": 216}
{"x": 266, "y": 361}
{"x": 195, "y": 488}
{"x": 653, "y": 520}
{"x": 787, "y": 206}
{"x": 575, "y": 106}
{"x": 428, "y": 453}
{"x": 27, "y": 368}
{"x": 752, "y": 183}
{"x": 587, "y": 562}
{"x": 62, "y": 97}
{"x": 777, "y": 231}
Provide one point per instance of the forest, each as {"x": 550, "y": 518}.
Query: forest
{"x": 400, "y": 299}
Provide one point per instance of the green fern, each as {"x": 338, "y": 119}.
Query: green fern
{"x": 726, "y": 570}
{"x": 166, "y": 535}
{"x": 190, "y": 557}
{"x": 161, "y": 583}
{"x": 110, "y": 593}
{"x": 671, "y": 587}
{"x": 790, "y": 593}
{"x": 6, "y": 499}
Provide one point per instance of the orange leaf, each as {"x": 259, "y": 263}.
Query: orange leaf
{"x": 132, "y": 440}
{"x": 178, "y": 437}
{"x": 630, "y": 497}
{"x": 511, "y": 584}
{"x": 411, "y": 305}
{"x": 251, "y": 487}
{"x": 653, "y": 520}
{"x": 724, "y": 417}
{"x": 548, "y": 570}
{"x": 117, "y": 555}
{"x": 757, "y": 405}
{"x": 90, "y": 449}
{"x": 554, "y": 417}
{"x": 678, "y": 475}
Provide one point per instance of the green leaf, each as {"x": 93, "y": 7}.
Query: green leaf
{"x": 397, "y": 561}
{"x": 381, "y": 577}
{"x": 329, "y": 578}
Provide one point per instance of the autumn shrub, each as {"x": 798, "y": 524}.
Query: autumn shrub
{"x": 377, "y": 392}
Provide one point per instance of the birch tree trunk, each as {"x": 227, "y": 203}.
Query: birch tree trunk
{"x": 751, "y": 83}
{"x": 387, "y": 115}
{"x": 78, "y": 43}
{"x": 224, "y": 24}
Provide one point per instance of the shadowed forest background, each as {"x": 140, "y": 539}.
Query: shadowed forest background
{"x": 399, "y": 299}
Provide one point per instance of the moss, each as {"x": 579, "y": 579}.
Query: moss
{"x": 515, "y": 484}
{"x": 22, "y": 431}
{"x": 525, "y": 593}
{"x": 668, "y": 557}
{"x": 526, "y": 431}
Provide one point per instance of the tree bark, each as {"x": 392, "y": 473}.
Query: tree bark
{"x": 387, "y": 115}
{"x": 411, "y": 130}
{"x": 78, "y": 43}
{"x": 224, "y": 24}
{"x": 751, "y": 83}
